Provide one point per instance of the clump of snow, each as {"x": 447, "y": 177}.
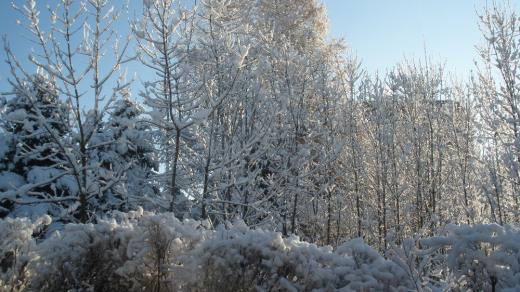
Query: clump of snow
{"x": 18, "y": 115}
{"x": 10, "y": 180}
{"x": 4, "y": 145}
{"x": 69, "y": 183}
{"x": 41, "y": 174}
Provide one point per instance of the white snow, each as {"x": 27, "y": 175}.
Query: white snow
{"x": 10, "y": 180}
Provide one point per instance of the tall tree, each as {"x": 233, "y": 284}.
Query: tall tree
{"x": 72, "y": 54}
{"x": 497, "y": 90}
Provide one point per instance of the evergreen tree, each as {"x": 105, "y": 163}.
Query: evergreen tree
{"x": 30, "y": 153}
{"x": 127, "y": 151}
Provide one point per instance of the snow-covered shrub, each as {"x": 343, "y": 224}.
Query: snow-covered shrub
{"x": 17, "y": 250}
{"x": 141, "y": 251}
{"x": 240, "y": 259}
{"x": 481, "y": 257}
{"x": 83, "y": 256}
{"x": 371, "y": 271}
{"x": 155, "y": 250}
{"x": 426, "y": 269}
{"x": 134, "y": 252}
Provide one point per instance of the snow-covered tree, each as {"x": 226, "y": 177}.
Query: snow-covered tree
{"x": 72, "y": 55}
{"x": 128, "y": 152}
{"x": 497, "y": 91}
{"x": 164, "y": 37}
{"x": 31, "y": 157}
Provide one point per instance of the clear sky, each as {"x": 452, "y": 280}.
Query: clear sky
{"x": 380, "y": 32}
{"x": 384, "y": 32}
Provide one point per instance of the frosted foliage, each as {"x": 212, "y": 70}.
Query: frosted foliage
{"x": 481, "y": 257}
{"x": 237, "y": 257}
{"x": 114, "y": 254}
{"x": 122, "y": 252}
{"x": 142, "y": 250}
{"x": 18, "y": 250}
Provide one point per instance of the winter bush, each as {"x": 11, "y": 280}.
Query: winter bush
{"x": 141, "y": 251}
{"x": 239, "y": 259}
{"x": 17, "y": 250}
{"x": 483, "y": 257}
{"x": 133, "y": 252}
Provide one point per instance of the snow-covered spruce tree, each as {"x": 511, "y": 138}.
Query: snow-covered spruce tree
{"x": 31, "y": 157}
{"x": 126, "y": 150}
{"x": 72, "y": 54}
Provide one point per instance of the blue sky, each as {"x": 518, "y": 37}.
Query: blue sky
{"x": 380, "y": 32}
